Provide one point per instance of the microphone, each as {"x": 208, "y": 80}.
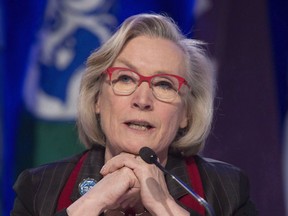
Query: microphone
{"x": 150, "y": 157}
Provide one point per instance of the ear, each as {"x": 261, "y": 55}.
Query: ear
{"x": 184, "y": 120}
{"x": 97, "y": 106}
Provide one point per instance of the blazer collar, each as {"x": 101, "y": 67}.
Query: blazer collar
{"x": 176, "y": 165}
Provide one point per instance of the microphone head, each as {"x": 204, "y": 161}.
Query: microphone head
{"x": 148, "y": 155}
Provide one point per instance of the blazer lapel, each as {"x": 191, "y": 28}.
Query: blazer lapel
{"x": 90, "y": 169}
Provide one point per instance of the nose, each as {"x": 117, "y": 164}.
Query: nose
{"x": 143, "y": 98}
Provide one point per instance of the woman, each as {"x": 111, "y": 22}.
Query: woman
{"x": 147, "y": 86}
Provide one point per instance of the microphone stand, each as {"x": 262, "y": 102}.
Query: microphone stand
{"x": 201, "y": 201}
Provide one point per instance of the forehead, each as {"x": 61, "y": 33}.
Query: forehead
{"x": 151, "y": 55}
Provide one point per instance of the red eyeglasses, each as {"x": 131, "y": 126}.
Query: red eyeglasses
{"x": 165, "y": 87}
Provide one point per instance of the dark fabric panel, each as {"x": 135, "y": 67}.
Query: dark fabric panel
{"x": 246, "y": 127}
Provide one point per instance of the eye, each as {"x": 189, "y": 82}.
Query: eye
{"x": 164, "y": 83}
{"x": 124, "y": 78}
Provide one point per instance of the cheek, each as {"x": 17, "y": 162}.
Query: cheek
{"x": 111, "y": 109}
{"x": 180, "y": 113}
{"x": 171, "y": 120}
{"x": 105, "y": 108}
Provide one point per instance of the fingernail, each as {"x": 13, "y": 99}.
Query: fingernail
{"x": 103, "y": 169}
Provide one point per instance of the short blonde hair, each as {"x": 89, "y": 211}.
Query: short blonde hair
{"x": 200, "y": 76}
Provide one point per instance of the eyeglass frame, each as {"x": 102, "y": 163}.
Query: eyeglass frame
{"x": 181, "y": 81}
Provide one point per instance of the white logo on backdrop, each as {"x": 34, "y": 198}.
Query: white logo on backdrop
{"x": 71, "y": 30}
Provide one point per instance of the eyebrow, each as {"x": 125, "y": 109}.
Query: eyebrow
{"x": 134, "y": 68}
{"x": 126, "y": 63}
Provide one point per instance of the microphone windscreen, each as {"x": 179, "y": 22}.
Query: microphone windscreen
{"x": 148, "y": 155}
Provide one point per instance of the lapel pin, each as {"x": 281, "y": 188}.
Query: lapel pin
{"x": 85, "y": 185}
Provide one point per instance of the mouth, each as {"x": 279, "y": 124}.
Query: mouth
{"x": 139, "y": 125}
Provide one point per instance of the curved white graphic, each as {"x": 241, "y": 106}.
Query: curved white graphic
{"x": 70, "y": 30}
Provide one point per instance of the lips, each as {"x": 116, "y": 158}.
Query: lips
{"x": 139, "y": 125}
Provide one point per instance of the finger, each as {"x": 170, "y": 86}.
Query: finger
{"x": 128, "y": 202}
{"x": 117, "y": 162}
{"x": 132, "y": 193}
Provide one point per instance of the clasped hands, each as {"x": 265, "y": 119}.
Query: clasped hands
{"x": 128, "y": 182}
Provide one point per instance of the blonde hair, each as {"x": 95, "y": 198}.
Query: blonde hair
{"x": 199, "y": 102}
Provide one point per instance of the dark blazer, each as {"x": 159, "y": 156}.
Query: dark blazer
{"x": 37, "y": 190}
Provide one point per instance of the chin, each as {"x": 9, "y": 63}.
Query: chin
{"x": 133, "y": 149}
